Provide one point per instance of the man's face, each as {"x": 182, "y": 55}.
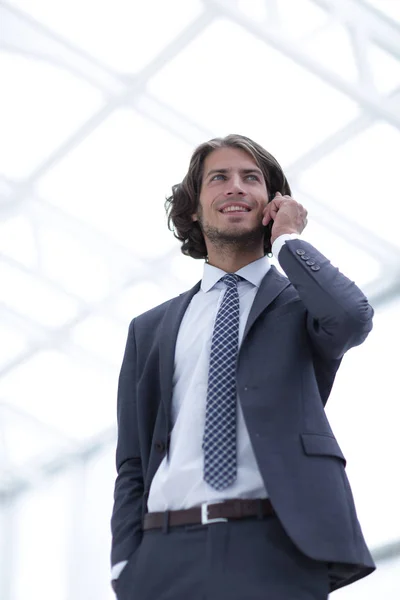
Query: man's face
{"x": 233, "y": 196}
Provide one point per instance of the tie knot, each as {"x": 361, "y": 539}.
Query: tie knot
{"x": 231, "y": 279}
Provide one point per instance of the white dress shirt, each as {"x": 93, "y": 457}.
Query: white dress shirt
{"x": 178, "y": 482}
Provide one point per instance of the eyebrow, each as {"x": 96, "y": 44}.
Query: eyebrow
{"x": 244, "y": 171}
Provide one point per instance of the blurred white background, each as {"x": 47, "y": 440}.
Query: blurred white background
{"x": 101, "y": 105}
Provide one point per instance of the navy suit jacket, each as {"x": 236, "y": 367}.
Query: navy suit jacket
{"x": 298, "y": 330}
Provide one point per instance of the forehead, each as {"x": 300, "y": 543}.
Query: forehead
{"x": 228, "y": 158}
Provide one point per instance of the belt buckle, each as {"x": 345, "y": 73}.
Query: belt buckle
{"x": 204, "y": 515}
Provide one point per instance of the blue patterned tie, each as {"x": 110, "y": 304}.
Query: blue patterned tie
{"x": 219, "y": 440}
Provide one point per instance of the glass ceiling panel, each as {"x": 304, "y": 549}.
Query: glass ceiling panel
{"x": 65, "y": 258}
{"x": 367, "y": 385}
{"x": 17, "y": 240}
{"x": 37, "y": 300}
{"x": 117, "y": 181}
{"x": 26, "y": 440}
{"x": 52, "y": 504}
{"x": 385, "y": 69}
{"x": 298, "y": 19}
{"x": 75, "y": 398}
{"x": 390, "y": 8}
{"x": 101, "y": 336}
{"x": 97, "y": 508}
{"x": 40, "y": 107}
{"x": 187, "y": 270}
{"x": 121, "y": 34}
{"x": 360, "y": 179}
{"x": 75, "y": 508}
{"x": 142, "y": 297}
{"x": 320, "y": 46}
{"x": 254, "y": 9}
{"x": 5, "y": 190}
{"x": 272, "y": 99}
{"x": 13, "y": 343}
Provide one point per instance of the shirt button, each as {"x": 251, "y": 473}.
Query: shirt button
{"x": 310, "y": 263}
{"x": 315, "y": 268}
{"x": 305, "y": 256}
{"x": 300, "y": 252}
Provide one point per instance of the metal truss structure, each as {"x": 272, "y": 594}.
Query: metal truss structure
{"x": 24, "y": 36}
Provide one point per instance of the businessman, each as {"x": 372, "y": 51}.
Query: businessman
{"x": 231, "y": 484}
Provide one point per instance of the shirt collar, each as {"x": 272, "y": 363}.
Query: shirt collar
{"x": 254, "y": 273}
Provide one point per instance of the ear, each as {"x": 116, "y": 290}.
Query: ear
{"x": 194, "y": 217}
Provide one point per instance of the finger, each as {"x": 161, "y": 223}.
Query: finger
{"x": 266, "y": 219}
{"x": 276, "y": 203}
{"x": 274, "y": 206}
{"x": 267, "y": 215}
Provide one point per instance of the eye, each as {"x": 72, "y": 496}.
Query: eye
{"x": 253, "y": 177}
{"x": 218, "y": 175}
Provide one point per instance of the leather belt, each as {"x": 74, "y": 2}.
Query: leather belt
{"x": 210, "y": 513}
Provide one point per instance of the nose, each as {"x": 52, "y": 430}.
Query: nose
{"x": 234, "y": 187}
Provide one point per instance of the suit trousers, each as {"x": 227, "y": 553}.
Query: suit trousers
{"x": 249, "y": 559}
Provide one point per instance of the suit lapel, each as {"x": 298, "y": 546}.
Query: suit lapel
{"x": 271, "y": 286}
{"x": 169, "y": 332}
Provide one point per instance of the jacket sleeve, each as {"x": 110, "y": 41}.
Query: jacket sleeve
{"x": 338, "y": 314}
{"x": 126, "y": 520}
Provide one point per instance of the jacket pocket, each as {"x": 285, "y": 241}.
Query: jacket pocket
{"x": 316, "y": 444}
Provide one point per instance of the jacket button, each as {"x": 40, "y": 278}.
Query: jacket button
{"x": 310, "y": 263}
{"x": 305, "y": 256}
{"x": 160, "y": 446}
{"x": 315, "y": 268}
{"x": 300, "y": 252}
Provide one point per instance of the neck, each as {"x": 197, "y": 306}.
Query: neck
{"x": 230, "y": 262}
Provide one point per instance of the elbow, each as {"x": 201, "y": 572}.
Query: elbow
{"x": 359, "y": 321}
{"x": 356, "y": 326}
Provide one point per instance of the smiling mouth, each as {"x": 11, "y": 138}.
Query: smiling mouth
{"x": 234, "y": 210}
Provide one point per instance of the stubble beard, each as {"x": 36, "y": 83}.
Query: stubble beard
{"x": 232, "y": 241}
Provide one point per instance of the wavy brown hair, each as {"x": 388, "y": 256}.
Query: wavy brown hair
{"x": 184, "y": 200}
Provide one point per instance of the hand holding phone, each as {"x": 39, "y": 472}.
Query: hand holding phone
{"x": 284, "y": 215}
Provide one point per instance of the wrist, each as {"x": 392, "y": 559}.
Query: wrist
{"x": 285, "y": 231}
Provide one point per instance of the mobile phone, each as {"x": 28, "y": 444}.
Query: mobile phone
{"x": 268, "y": 230}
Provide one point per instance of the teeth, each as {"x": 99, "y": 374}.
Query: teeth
{"x": 235, "y": 208}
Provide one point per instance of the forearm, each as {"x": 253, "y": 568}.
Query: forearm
{"x": 339, "y": 315}
{"x": 126, "y": 520}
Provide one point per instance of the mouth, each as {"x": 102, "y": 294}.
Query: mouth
{"x": 233, "y": 209}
